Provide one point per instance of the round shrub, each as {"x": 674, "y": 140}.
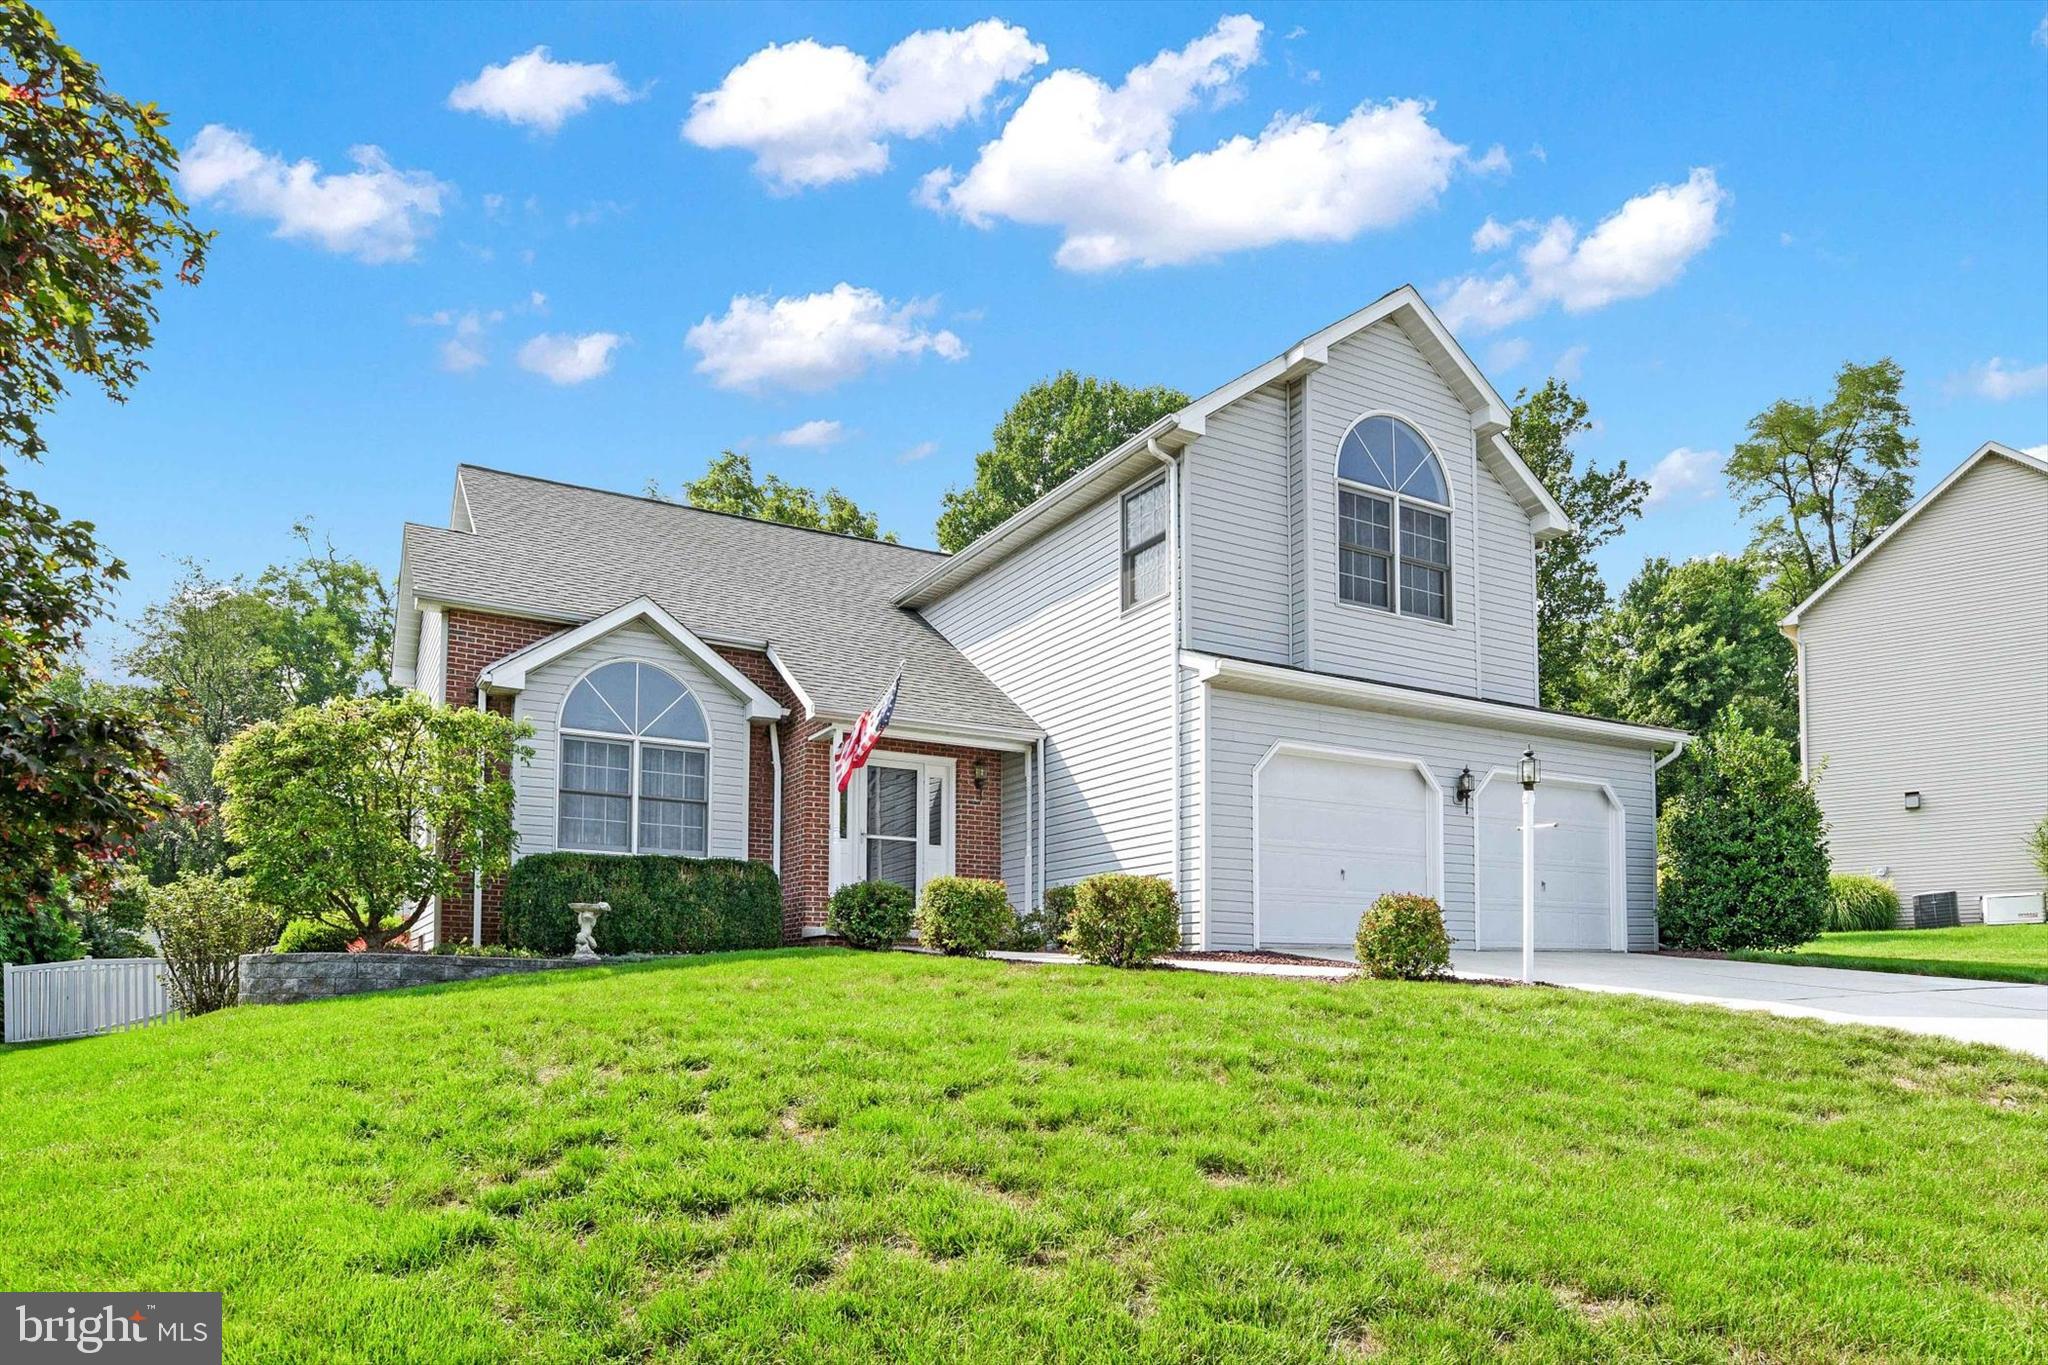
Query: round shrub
{"x": 1859, "y": 902}
{"x": 1402, "y": 937}
{"x": 1120, "y": 920}
{"x": 203, "y": 925}
{"x": 1043, "y": 930}
{"x": 870, "y": 914}
{"x": 311, "y": 936}
{"x": 963, "y": 916}
{"x": 1743, "y": 849}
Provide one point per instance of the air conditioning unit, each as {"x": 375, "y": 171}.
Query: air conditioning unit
{"x": 1935, "y": 910}
{"x": 2013, "y": 907}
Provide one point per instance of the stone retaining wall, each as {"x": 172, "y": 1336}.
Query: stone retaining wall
{"x": 286, "y": 978}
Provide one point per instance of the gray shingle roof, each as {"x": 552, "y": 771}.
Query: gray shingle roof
{"x": 825, "y": 602}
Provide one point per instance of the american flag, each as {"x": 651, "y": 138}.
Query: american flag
{"x": 853, "y": 750}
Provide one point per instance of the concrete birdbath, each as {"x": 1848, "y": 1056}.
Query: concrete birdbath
{"x": 586, "y": 928}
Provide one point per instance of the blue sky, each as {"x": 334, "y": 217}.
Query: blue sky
{"x": 536, "y": 269}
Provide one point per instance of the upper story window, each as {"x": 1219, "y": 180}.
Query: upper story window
{"x": 1144, "y": 542}
{"x": 636, "y": 764}
{"x": 1393, "y": 521}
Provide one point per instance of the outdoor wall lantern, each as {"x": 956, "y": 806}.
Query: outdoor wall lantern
{"x": 1464, "y": 789}
{"x": 1530, "y": 771}
{"x": 1912, "y": 800}
{"x": 980, "y": 774}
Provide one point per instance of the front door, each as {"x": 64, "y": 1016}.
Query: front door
{"x": 902, "y": 818}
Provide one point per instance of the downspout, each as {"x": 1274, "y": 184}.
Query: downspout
{"x": 1030, "y": 845}
{"x": 476, "y": 879}
{"x": 1676, "y": 750}
{"x": 775, "y": 800}
{"x": 1175, "y": 591}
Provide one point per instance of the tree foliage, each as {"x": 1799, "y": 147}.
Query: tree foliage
{"x": 1571, "y": 597}
{"x": 1697, "y": 643}
{"x": 87, "y": 218}
{"x": 203, "y": 925}
{"x": 1825, "y": 481}
{"x": 361, "y": 811}
{"x": 728, "y": 485}
{"x": 1054, "y": 430}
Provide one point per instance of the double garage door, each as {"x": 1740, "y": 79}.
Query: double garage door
{"x": 1335, "y": 831}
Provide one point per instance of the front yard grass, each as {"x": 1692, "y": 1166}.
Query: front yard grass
{"x": 828, "y": 1155}
{"x": 1985, "y": 952}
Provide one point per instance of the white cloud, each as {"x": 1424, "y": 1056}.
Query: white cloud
{"x": 816, "y": 433}
{"x": 1492, "y": 234}
{"x": 536, "y": 91}
{"x": 1495, "y": 162}
{"x": 463, "y": 351}
{"x": 1570, "y": 364}
{"x": 375, "y": 213}
{"x": 565, "y": 359}
{"x": 812, "y": 114}
{"x": 537, "y": 301}
{"x": 2041, "y": 32}
{"x": 813, "y": 341}
{"x": 1685, "y": 473}
{"x": 921, "y": 451}
{"x": 597, "y": 211}
{"x": 1999, "y": 380}
{"x": 1097, "y": 163}
{"x": 1642, "y": 247}
{"x": 1507, "y": 353}
{"x": 2039, "y": 451}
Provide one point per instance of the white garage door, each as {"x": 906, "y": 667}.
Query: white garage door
{"x": 1574, "y": 866}
{"x": 1334, "y": 833}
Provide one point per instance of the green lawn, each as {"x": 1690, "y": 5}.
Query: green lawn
{"x": 822, "y": 1155}
{"x": 1988, "y": 952}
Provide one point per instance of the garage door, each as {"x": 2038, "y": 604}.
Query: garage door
{"x": 1574, "y": 866}
{"x": 1334, "y": 833}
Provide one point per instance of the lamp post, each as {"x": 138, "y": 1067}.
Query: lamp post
{"x": 1531, "y": 773}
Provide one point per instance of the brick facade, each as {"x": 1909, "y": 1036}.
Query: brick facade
{"x": 478, "y": 639}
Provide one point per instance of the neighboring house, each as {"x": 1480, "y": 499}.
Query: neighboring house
{"x": 1923, "y": 688}
{"x": 1279, "y": 648}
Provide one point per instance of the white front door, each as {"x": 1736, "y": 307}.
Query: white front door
{"x": 898, "y": 823}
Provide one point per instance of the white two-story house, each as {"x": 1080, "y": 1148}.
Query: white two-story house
{"x": 1279, "y": 648}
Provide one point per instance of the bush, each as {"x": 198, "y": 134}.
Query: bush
{"x": 481, "y": 950}
{"x": 1043, "y": 930}
{"x": 1743, "y": 849}
{"x": 40, "y": 933}
{"x": 1402, "y": 937}
{"x": 963, "y": 916}
{"x": 659, "y": 904}
{"x": 1120, "y": 920}
{"x": 871, "y": 914}
{"x": 2037, "y": 844}
{"x": 203, "y": 926}
{"x": 1859, "y": 902}
{"x": 311, "y": 936}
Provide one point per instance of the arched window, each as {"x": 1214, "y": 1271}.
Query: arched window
{"x": 636, "y": 764}
{"x": 1393, "y": 520}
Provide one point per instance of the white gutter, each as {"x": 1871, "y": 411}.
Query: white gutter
{"x": 1676, "y": 749}
{"x": 1175, "y": 589}
{"x": 796, "y": 689}
{"x": 775, "y": 801}
{"x": 476, "y": 879}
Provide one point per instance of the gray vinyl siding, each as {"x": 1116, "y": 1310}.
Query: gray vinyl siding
{"x": 1047, "y": 626}
{"x": 534, "y": 791}
{"x": 1016, "y": 811}
{"x": 1926, "y": 669}
{"x": 430, "y": 674}
{"x": 1262, "y": 517}
{"x": 1193, "y": 725}
{"x": 1244, "y": 726}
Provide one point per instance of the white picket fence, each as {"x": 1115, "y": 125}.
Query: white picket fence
{"x": 74, "y": 999}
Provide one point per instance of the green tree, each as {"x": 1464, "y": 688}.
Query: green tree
{"x": 1697, "y": 644}
{"x": 327, "y": 808}
{"x": 1823, "y": 482}
{"x": 332, "y": 622}
{"x": 728, "y": 485}
{"x": 87, "y": 216}
{"x": 1571, "y": 597}
{"x": 1055, "y": 429}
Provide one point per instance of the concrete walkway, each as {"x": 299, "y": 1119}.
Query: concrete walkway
{"x": 2002, "y": 1014}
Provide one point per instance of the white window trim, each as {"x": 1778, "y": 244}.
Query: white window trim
{"x": 1394, "y": 501}
{"x": 1125, "y": 549}
{"x": 633, "y": 744}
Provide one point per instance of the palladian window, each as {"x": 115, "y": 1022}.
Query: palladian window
{"x": 636, "y": 764}
{"x": 1393, "y": 521}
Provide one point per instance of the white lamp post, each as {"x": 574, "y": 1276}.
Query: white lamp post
{"x": 1530, "y": 775}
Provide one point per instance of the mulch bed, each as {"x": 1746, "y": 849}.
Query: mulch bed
{"x": 1269, "y": 959}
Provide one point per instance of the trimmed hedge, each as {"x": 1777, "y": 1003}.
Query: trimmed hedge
{"x": 871, "y": 915}
{"x": 1121, "y": 920}
{"x": 1742, "y": 849}
{"x": 1043, "y": 930}
{"x": 658, "y": 904}
{"x": 311, "y": 936}
{"x": 1402, "y": 937}
{"x": 963, "y": 916}
{"x": 1859, "y": 902}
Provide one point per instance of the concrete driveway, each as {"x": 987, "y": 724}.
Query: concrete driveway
{"x": 2010, "y": 1016}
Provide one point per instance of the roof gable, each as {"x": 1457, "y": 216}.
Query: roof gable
{"x": 1790, "y": 624}
{"x": 510, "y": 673}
